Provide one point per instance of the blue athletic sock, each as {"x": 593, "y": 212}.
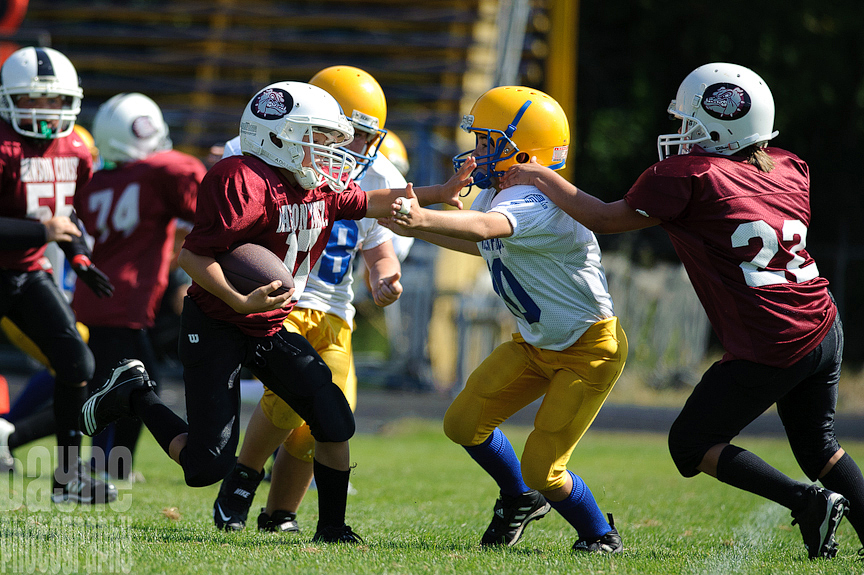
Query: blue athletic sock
{"x": 581, "y": 511}
{"x": 497, "y": 458}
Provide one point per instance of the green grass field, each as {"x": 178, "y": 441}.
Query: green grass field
{"x": 421, "y": 507}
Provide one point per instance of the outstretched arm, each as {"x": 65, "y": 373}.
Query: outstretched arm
{"x": 468, "y": 225}
{"x": 20, "y": 233}
{"x": 456, "y": 230}
{"x": 591, "y": 212}
{"x": 447, "y": 193}
{"x": 457, "y": 245}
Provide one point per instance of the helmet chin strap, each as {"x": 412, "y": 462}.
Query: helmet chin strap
{"x": 482, "y": 179}
{"x": 307, "y": 178}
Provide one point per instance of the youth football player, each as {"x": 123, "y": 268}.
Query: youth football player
{"x": 131, "y": 208}
{"x": 570, "y": 349}
{"x": 284, "y": 193}
{"x": 324, "y": 315}
{"x": 738, "y": 213}
{"x": 43, "y": 163}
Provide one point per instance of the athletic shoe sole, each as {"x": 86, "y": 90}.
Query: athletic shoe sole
{"x": 89, "y": 425}
{"x": 836, "y": 507}
{"x": 537, "y": 514}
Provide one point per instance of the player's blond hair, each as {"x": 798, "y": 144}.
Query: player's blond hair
{"x": 757, "y": 156}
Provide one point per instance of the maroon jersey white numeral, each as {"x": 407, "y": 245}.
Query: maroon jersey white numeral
{"x": 742, "y": 236}
{"x": 243, "y": 200}
{"x": 39, "y": 180}
{"x": 131, "y": 214}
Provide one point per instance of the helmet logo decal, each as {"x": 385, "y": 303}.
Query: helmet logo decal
{"x": 143, "y": 127}
{"x": 726, "y": 101}
{"x": 272, "y": 104}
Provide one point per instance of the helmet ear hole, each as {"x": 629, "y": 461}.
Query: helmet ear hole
{"x": 274, "y": 139}
{"x": 715, "y": 136}
{"x": 522, "y": 158}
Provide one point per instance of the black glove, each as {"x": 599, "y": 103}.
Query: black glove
{"x": 92, "y": 276}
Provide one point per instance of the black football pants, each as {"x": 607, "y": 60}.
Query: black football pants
{"x": 213, "y": 352}
{"x": 734, "y": 393}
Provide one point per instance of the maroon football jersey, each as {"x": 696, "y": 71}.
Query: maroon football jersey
{"x": 38, "y": 180}
{"x": 741, "y": 235}
{"x": 244, "y": 200}
{"x": 130, "y": 212}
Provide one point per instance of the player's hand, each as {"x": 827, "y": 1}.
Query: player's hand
{"x": 60, "y": 229}
{"x": 261, "y": 300}
{"x": 526, "y": 174}
{"x": 453, "y": 187}
{"x": 415, "y": 216}
{"x": 387, "y": 290}
{"x": 92, "y": 276}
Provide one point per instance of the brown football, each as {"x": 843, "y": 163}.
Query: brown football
{"x": 250, "y": 266}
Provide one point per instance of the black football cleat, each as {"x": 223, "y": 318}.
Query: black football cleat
{"x": 235, "y": 498}
{"x": 609, "y": 544}
{"x": 280, "y": 522}
{"x": 342, "y": 534}
{"x": 82, "y": 488}
{"x": 818, "y": 521}
{"x": 512, "y": 515}
{"x": 111, "y": 401}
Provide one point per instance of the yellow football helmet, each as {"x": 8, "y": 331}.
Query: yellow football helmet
{"x": 363, "y": 102}
{"x": 88, "y": 141}
{"x": 520, "y": 123}
{"x": 394, "y": 150}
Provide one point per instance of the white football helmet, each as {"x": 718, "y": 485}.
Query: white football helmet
{"x": 281, "y": 121}
{"x": 724, "y": 108}
{"x": 39, "y": 72}
{"x": 129, "y": 127}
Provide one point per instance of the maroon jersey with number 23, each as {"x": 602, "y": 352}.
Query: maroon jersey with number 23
{"x": 741, "y": 235}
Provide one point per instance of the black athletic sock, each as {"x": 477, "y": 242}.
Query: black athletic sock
{"x": 33, "y": 427}
{"x": 845, "y": 478}
{"x": 127, "y": 430}
{"x": 163, "y": 423}
{"x": 332, "y": 494}
{"x": 745, "y": 470}
{"x": 68, "y": 402}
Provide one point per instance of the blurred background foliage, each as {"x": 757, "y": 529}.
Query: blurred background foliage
{"x": 634, "y": 53}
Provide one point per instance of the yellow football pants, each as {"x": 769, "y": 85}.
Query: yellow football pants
{"x": 574, "y": 384}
